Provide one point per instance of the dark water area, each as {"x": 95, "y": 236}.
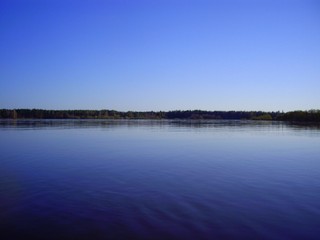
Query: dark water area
{"x": 144, "y": 179}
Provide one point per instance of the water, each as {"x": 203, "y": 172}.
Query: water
{"x": 93, "y": 179}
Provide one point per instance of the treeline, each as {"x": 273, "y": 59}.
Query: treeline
{"x": 77, "y": 114}
{"x": 298, "y": 116}
{"x": 198, "y": 114}
{"x": 302, "y": 116}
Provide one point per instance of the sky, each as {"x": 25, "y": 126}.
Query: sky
{"x": 157, "y": 55}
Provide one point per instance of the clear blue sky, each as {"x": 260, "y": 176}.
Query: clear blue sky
{"x": 160, "y": 54}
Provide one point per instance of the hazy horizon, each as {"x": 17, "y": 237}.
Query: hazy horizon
{"x": 160, "y": 55}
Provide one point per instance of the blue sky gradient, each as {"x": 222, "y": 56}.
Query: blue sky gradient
{"x": 160, "y": 54}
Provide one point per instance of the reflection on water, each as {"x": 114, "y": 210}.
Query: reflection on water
{"x": 158, "y": 179}
{"x": 100, "y": 123}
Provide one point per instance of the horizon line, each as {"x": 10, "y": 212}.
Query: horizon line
{"x": 182, "y": 110}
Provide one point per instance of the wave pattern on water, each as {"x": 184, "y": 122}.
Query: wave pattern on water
{"x": 97, "y": 179}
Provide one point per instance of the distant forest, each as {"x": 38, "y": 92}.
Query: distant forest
{"x": 295, "y": 116}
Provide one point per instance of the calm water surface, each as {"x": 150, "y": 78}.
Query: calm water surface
{"x": 93, "y": 179}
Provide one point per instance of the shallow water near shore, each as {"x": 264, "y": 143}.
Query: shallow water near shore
{"x": 158, "y": 179}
